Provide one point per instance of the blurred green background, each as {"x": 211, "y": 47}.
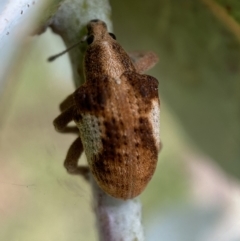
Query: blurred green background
{"x": 194, "y": 194}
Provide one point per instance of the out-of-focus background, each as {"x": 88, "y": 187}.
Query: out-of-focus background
{"x": 195, "y": 192}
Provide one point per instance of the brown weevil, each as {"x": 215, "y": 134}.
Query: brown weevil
{"x": 117, "y": 113}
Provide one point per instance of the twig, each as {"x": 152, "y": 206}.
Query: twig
{"x": 223, "y": 16}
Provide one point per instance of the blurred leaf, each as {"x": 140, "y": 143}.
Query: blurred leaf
{"x": 232, "y": 7}
{"x": 185, "y": 223}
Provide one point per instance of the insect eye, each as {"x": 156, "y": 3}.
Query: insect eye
{"x": 90, "y": 39}
{"x": 112, "y": 35}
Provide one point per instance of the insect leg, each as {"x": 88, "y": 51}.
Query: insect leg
{"x": 143, "y": 61}
{"x": 71, "y": 161}
{"x": 67, "y": 103}
{"x": 62, "y": 121}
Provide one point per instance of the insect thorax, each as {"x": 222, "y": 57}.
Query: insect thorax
{"x": 106, "y": 58}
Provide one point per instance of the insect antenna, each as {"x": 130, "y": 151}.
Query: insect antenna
{"x": 50, "y": 59}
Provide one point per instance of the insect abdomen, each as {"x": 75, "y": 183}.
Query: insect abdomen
{"x": 118, "y": 137}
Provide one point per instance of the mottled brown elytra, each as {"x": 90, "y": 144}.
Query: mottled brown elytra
{"x": 117, "y": 113}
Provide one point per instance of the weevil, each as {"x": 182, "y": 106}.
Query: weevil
{"x": 116, "y": 112}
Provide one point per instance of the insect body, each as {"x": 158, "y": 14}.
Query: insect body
{"x": 117, "y": 114}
